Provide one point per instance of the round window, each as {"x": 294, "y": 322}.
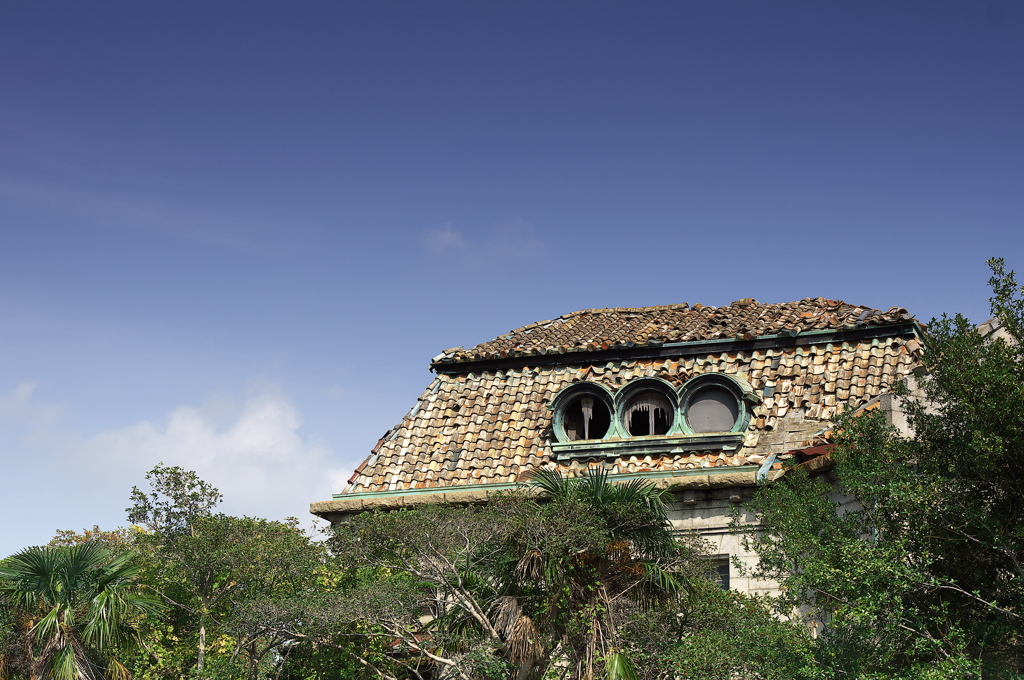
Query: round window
{"x": 648, "y": 413}
{"x": 586, "y": 417}
{"x": 713, "y": 409}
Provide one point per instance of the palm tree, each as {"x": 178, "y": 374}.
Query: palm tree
{"x": 575, "y": 596}
{"x": 73, "y": 608}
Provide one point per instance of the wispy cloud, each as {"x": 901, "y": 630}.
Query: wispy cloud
{"x": 259, "y": 459}
{"x": 18, "y": 399}
{"x": 444, "y": 240}
{"x": 210, "y": 225}
{"x": 19, "y": 409}
{"x": 32, "y": 148}
{"x": 87, "y": 181}
{"x": 515, "y": 238}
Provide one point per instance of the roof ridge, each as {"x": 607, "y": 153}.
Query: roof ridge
{"x": 606, "y": 328}
{"x": 625, "y": 310}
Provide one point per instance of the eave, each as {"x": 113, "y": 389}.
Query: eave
{"x": 343, "y": 505}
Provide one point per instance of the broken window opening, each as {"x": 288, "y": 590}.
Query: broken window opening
{"x": 650, "y": 413}
{"x": 587, "y": 418}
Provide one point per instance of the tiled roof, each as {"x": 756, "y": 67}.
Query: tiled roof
{"x": 601, "y": 329}
{"x": 490, "y": 426}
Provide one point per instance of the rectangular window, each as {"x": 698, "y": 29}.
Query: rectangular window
{"x": 718, "y": 570}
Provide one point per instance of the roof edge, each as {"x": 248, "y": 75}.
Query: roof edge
{"x": 344, "y": 505}
{"x": 658, "y": 350}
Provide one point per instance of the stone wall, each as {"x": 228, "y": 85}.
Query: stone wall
{"x": 709, "y": 514}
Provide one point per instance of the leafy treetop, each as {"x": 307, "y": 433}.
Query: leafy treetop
{"x": 177, "y": 498}
{"x": 923, "y": 573}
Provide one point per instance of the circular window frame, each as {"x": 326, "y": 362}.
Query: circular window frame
{"x": 568, "y": 396}
{"x": 629, "y": 392}
{"x": 741, "y": 392}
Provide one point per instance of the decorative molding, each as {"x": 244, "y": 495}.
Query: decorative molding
{"x": 662, "y": 445}
{"x": 345, "y": 505}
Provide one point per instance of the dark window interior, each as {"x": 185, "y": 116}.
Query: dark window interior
{"x": 649, "y": 413}
{"x": 713, "y": 409}
{"x": 721, "y": 572}
{"x": 586, "y": 418}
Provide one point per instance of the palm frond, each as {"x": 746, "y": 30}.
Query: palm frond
{"x": 505, "y": 612}
{"x": 661, "y": 582}
{"x": 530, "y": 566}
{"x": 523, "y": 642}
{"x": 117, "y": 671}
{"x": 82, "y": 601}
{"x": 551, "y": 482}
{"x": 643, "y": 493}
{"x": 594, "y": 486}
{"x": 618, "y": 667}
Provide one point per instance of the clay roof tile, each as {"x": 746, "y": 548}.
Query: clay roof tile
{"x": 604, "y": 329}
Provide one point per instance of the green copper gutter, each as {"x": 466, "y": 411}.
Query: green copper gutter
{"x": 455, "y": 488}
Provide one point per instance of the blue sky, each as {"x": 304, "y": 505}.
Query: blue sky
{"x": 232, "y": 235}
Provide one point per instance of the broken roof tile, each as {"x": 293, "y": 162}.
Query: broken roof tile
{"x": 598, "y": 329}
{"x": 492, "y": 426}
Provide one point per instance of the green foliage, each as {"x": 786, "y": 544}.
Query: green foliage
{"x": 246, "y": 594}
{"x": 516, "y": 587}
{"x": 331, "y": 650}
{"x": 635, "y": 562}
{"x": 632, "y": 511}
{"x": 716, "y": 634}
{"x": 617, "y": 666}
{"x": 176, "y": 498}
{"x": 229, "y": 598}
{"x": 118, "y": 540}
{"x": 923, "y": 570}
{"x": 234, "y": 576}
{"x": 72, "y": 610}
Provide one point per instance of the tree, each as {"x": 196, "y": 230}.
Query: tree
{"x": 208, "y": 571}
{"x": 516, "y": 587}
{"x": 634, "y": 561}
{"x": 284, "y": 575}
{"x": 239, "y": 580}
{"x": 177, "y": 497}
{"x": 421, "y": 566}
{"x": 118, "y": 540}
{"x": 177, "y": 503}
{"x": 922, "y": 575}
{"x": 72, "y": 610}
{"x": 717, "y": 634}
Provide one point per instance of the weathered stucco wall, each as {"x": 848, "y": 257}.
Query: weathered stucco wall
{"x": 709, "y": 513}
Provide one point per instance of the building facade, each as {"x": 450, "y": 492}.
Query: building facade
{"x": 704, "y": 401}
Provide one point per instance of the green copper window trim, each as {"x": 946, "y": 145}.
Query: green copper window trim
{"x": 569, "y": 394}
{"x": 680, "y": 437}
{"x": 631, "y": 390}
{"x": 658, "y": 445}
{"x": 740, "y": 389}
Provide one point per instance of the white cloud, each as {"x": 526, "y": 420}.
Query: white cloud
{"x": 515, "y": 238}
{"x": 445, "y": 239}
{"x": 259, "y": 460}
{"x": 17, "y": 401}
{"x": 19, "y": 409}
